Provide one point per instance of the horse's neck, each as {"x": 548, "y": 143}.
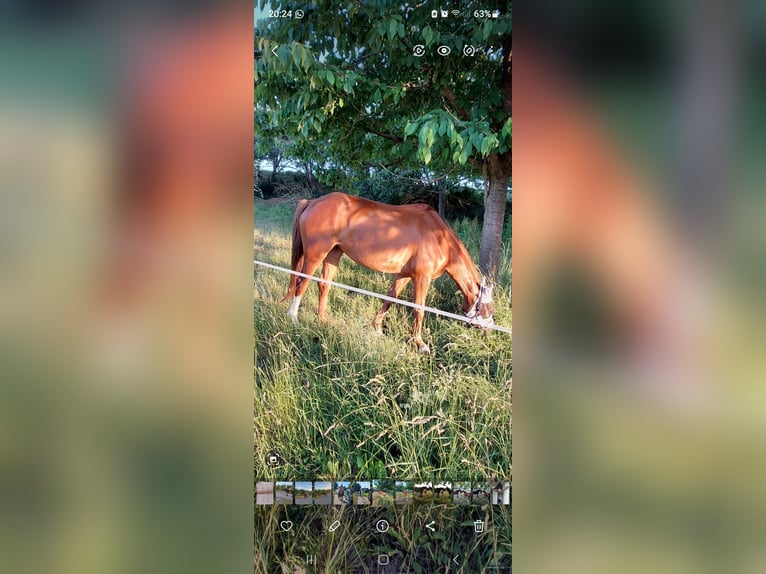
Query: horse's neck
{"x": 465, "y": 276}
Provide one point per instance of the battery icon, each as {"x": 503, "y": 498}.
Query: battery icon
{"x": 496, "y": 14}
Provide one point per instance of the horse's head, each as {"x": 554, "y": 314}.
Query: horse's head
{"x": 480, "y": 312}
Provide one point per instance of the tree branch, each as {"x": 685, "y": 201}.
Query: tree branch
{"x": 364, "y": 57}
{"x": 450, "y": 97}
{"x": 391, "y": 137}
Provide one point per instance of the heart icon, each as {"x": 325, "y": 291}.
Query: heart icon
{"x": 286, "y": 525}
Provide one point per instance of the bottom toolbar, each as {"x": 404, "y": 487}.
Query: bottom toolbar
{"x": 388, "y": 539}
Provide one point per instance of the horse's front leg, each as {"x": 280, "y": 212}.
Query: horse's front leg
{"x": 399, "y": 284}
{"x": 421, "y": 283}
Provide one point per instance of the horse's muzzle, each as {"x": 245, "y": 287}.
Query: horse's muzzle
{"x": 482, "y": 323}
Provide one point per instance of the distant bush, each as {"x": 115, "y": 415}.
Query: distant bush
{"x": 399, "y": 189}
{"x": 287, "y": 184}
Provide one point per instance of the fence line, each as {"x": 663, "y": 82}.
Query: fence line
{"x": 379, "y": 296}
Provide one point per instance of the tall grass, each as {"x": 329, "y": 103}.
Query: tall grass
{"x": 337, "y": 401}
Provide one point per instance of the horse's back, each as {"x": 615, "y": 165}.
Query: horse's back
{"x": 338, "y": 200}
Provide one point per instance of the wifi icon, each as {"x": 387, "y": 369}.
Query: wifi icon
{"x": 455, "y": 12}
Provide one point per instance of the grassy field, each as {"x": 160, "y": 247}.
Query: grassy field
{"x": 338, "y": 402}
{"x": 335, "y": 400}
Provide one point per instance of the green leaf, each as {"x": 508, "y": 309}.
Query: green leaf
{"x": 422, "y": 134}
{"x": 452, "y": 134}
{"x": 487, "y": 29}
{"x": 476, "y": 139}
{"x": 330, "y": 77}
{"x": 428, "y": 35}
{"x": 283, "y": 53}
{"x": 507, "y": 127}
{"x": 465, "y": 153}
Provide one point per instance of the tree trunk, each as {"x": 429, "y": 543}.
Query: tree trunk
{"x": 498, "y": 174}
{"x": 276, "y": 159}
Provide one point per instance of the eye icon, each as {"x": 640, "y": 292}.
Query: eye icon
{"x": 418, "y": 50}
{"x": 444, "y": 50}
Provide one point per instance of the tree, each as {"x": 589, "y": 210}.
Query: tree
{"x": 347, "y": 81}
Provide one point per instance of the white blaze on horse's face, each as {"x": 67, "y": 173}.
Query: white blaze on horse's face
{"x": 293, "y": 312}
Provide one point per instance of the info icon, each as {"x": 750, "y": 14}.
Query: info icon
{"x": 382, "y": 526}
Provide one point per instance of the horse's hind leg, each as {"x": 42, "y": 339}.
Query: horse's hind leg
{"x": 329, "y": 268}
{"x": 310, "y": 264}
{"x": 399, "y": 284}
{"x": 311, "y": 260}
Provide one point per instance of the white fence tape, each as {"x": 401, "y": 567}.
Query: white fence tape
{"x": 433, "y": 310}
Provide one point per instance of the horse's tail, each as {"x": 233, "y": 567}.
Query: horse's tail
{"x": 296, "y": 260}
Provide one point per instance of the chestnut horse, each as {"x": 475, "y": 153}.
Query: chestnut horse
{"x": 410, "y": 241}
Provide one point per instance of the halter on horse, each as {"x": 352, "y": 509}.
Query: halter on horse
{"x": 484, "y": 298}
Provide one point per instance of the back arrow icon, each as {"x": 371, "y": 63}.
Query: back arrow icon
{"x": 430, "y": 526}
{"x": 273, "y": 53}
{"x": 455, "y": 559}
